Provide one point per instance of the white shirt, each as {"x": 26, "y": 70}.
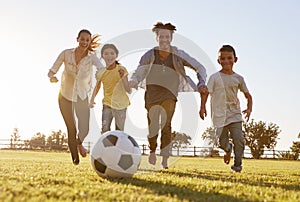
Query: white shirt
{"x": 225, "y": 105}
{"x": 76, "y": 79}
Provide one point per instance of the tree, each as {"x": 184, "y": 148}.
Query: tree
{"x": 180, "y": 140}
{"x": 296, "y": 148}
{"x": 210, "y": 135}
{"x": 15, "y": 139}
{"x": 57, "y": 140}
{"x": 38, "y": 141}
{"x": 260, "y": 135}
{"x": 286, "y": 155}
{"x": 26, "y": 144}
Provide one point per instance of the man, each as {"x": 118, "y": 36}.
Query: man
{"x": 163, "y": 70}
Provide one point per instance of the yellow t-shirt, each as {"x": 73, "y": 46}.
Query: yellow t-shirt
{"x": 114, "y": 92}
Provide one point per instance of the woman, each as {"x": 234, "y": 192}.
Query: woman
{"x": 76, "y": 83}
{"x": 115, "y": 85}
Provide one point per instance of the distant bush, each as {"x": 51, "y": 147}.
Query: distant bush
{"x": 287, "y": 155}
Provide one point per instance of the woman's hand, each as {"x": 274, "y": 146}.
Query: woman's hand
{"x": 52, "y": 78}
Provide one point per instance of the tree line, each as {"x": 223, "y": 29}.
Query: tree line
{"x": 259, "y": 136}
{"x": 57, "y": 140}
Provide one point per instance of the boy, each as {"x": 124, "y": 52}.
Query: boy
{"x": 226, "y": 114}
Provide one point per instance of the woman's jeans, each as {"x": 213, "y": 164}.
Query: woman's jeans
{"x": 82, "y": 112}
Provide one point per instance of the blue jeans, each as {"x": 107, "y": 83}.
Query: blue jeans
{"x": 233, "y": 131}
{"x": 108, "y": 114}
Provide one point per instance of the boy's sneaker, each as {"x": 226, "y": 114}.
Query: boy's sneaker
{"x": 227, "y": 155}
{"x": 236, "y": 169}
{"x": 152, "y": 158}
{"x": 81, "y": 150}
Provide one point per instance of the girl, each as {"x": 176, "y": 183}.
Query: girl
{"x": 115, "y": 85}
{"x": 75, "y": 85}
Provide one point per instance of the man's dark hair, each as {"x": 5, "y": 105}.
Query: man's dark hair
{"x": 159, "y": 25}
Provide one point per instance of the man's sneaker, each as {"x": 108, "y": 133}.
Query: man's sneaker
{"x": 227, "y": 155}
{"x": 164, "y": 162}
{"x": 81, "y": 150}
{"x": 152, "y": 158}
{"x": 236, "y": 169}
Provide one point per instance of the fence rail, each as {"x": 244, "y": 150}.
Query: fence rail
{"x": 187, "y": 151}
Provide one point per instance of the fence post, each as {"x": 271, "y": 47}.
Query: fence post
{"x": 144, "y": 149}
{"x": 195, "y": 151}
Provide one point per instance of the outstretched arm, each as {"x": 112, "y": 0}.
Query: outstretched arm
{"x": 203, "y": 112}
{"x": 56, "y": 66}
{"x": 124, "y": 78}
{"x": 95, "y": 92}
{"x": 248, "y": 111}
{"x": 142, "y": 70}
{"x": 194, "y": 64}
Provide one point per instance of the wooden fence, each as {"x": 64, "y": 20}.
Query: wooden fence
{"x": 191, "y": 151}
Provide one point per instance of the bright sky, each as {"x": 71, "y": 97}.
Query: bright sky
{"x": 265, "y": 35}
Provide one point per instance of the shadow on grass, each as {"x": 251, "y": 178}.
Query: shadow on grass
{"x": 215, "y": 176}
{"x": 171, "y": 190}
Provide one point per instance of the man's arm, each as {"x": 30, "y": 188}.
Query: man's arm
{"x": 195, "y": 65}
{"x": 142, "y": 70}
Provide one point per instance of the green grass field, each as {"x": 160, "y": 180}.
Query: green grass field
{"x": 50, "y": 176}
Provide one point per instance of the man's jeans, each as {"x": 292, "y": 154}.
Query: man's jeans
{"x": 160, "y": 117}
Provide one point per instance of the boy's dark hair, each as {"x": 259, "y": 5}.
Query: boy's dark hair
{"x": 227, "y": 48}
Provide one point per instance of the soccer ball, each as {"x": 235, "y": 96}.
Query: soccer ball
{"x": 115, "y": 154}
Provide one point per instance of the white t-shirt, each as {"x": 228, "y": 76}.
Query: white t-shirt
{"x": 225, "y": 105}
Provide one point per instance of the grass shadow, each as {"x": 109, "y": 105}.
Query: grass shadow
{"x": 171, "y": 190}
{"x": 215, "y": 176}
